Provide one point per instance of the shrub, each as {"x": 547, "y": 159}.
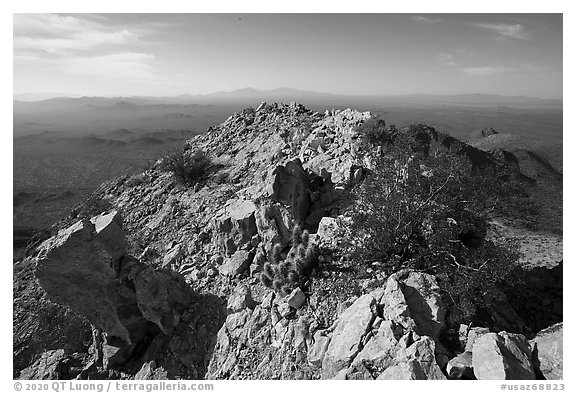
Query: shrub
{"x": 189, "y": 168}
{"x": 374, "y": 131}
{"x": 283, "y": 275}
{"x": 425, "y": 209}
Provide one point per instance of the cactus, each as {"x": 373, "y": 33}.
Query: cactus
{"x": 283, "y": 275}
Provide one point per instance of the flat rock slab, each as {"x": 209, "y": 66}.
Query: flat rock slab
{"x": 345, "y": 344}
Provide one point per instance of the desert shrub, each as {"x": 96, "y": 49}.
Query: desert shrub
{"x": 189, "y": 168}
{"x": 374, "y": 131}
{"x": 425, "y": 209}
{"x": 284, "y": 275}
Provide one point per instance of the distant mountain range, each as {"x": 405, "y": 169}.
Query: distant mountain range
{"x": 288, "y": 94}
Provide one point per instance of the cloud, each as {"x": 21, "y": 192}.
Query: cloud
{"x": 486, "y": 71}
{"x": 86, "y": 46}
{"x": 446, "y": 59}
{"x": 127, "y": 65}
{"x": 425, "y": 19}
{"x": 504, "y": 31}
{"x": 59, "y": 34}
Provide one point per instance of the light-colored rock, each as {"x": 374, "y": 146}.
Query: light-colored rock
{"x": 240, "y": 299}
{"x": 473, "y": 334}
{"x": 149, "y": 371}
{"x": 235, "y": 225}
{"x": 237, "y": 264}
{"x": 284, "y": 309}
{"x": 395, "y": 307}
{"x": 502, "y": 356}
{"x": 124, "y": 300}
{"x": 422, "y": 295}
{"x": 548, "y": 351}
{"x": 317, "y": 350}
{"x": 296, "y": 298}
{"x": 172, "y": 257}
{"x": 461, "y": 367}
{"x": 352, "y": 325}
{"x": 415, "y": 362}
{"x": 380, "y": 350}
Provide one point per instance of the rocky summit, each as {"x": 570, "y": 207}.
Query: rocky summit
{"x": 159, "y": 278}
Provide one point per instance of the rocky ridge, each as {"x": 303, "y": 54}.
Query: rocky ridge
{"x": 173, "y": 272}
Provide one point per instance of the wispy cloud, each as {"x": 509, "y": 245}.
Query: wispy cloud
{"x": 446, "y": 59}
{"x": 486, "y": 71}
{"x": 425, "y": 19}
{"x": 83, "y": 45}
{"x": 505, "y": 31}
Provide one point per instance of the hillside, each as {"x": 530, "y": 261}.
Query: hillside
{"x": 176, "y": 265}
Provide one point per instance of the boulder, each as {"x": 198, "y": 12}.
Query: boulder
{"x": 502, "y": 356}
{"x": 473, "y": 334}
{"x": 547, "y": 353}
{"x": 422, "y": 295}
{"x": 296, "y": 298}
{"x": 460, "y": 367}
{"x": 380, "y": 351}
{"x": 127, "y": 300}
{"x": 237, "y": 264}
{"x": 290, "y": 186}
{"x": 235, "y": 225}
{"x": 347, "y": 337}
{"x": 417, "y": 361}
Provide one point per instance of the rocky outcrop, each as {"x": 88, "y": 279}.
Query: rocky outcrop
{"x": 502, "y": 356}
{"x": 85, "y": 268}
{"x": 547, "y": 351}
{"x": 347, "y": 337}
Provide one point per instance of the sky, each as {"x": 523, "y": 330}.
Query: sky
{"x": 359, "y": 54}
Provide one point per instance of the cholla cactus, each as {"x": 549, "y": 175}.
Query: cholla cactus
{"x": 284, "y": 275}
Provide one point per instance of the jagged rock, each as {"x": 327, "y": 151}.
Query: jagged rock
{"x": 284, "y": 310}
{"x": 149, "y": 371}
{"x": 235, "y": 225}
{"x": 240, "y": 299}
{"x": 380, "y": 350}
{"x": 547, "y": 349}
{"x": 274, "y": 225}
{"x": 395, "y": 307}
{"x": 237, "y": 264}
{"x": 291, "y": 186}
{"x": 317, "y": 350}
{"x": 461, "y": 367}
{"x": 352, "y": 325}
{"x": 126, "y": 299}
{"x": 422, "y": 295}
{"x": 328, "y": 230}
{"x": 502, "y": 356}
{"x": 172, "y": 257}
{"x": 48, "y": 366}
{"x": 415, "y": 362}
{"x": 108, "y": 227}
{"x": 473, "y": 334}
{"x": 296, "y": 298}
{"x": 76, "y": 269}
